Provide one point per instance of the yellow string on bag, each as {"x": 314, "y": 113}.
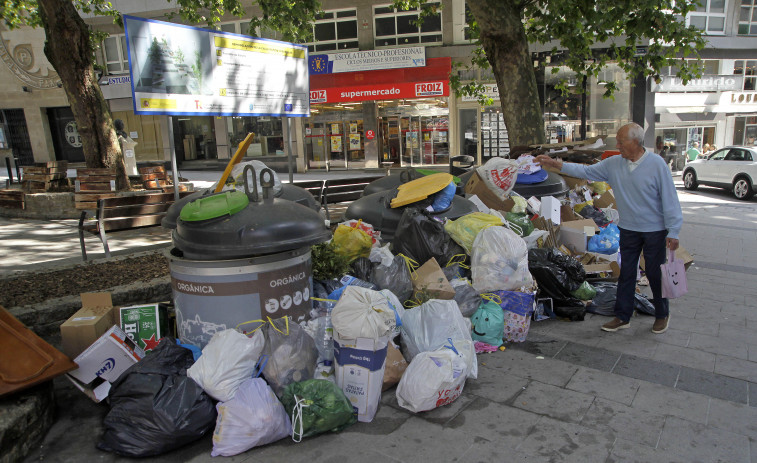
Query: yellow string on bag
{"x": 262, "y": 323}
{"x": 412, "y": 265}
{"x": 492, "y": 297}
{"x": 286, "y": 320}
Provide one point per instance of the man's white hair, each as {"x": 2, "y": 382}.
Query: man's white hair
{"x": 636, "y": 132}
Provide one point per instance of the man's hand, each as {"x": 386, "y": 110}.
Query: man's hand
{"x": 672, "y": 243}
{"x": 547, "y": 161}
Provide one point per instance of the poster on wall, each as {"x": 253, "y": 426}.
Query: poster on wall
{"x": 411, "y": 139}
{"x": 182, "y": 70}
{"x": 353, "y": 127}
{"x": 336, "y": 129}
{"x": 336, "y": 144}
{"x": 354, "y": 141}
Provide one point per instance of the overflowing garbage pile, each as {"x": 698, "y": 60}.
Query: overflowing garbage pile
{"x": 410, "y": 313}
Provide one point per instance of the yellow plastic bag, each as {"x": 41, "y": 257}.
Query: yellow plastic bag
{"x": 465, "y": 229}
{"x": 351, "y": 242}
{"x": 599, "y": 188}
{"x": 580, "y": 206}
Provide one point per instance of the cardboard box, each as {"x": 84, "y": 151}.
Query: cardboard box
{"x": 87, "y": 324}
{"x": 575, "y": 233}
{"x": 606, "y": 200}
{"x": 103, "y": 362}
{"x": 574, "y": 182}
{"x": 604, "y": 270}
{"x": 550, "y": 209}
{"x": 567, "y": 214}
{"x": 144, "y": 324}
{"x": 476, "y": 186}
{"x": 430, "y": 278}
{"x": 359, "y": 372}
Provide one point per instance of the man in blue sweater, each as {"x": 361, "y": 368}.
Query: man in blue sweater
{"x": 650, "y": 217}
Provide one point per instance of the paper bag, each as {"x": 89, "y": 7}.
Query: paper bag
{"x": 395, "y": 367}
{"x": 430, "y": 279}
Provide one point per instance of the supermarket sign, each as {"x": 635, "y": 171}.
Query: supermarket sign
{"x": 380, "y": 92}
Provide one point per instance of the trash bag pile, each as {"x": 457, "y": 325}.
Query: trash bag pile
{"x": 412, "y": 312}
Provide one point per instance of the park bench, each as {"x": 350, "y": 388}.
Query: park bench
{"x": 337, "y": 193}
{"x": 124, "y": 213}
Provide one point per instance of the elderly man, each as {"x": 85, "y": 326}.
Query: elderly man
{"x": 650, "y": 217}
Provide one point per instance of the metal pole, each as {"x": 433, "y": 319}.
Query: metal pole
{"x": 174, "y": 168}
{"x": 290, "y": 155}
{"x": 10, "y": 171}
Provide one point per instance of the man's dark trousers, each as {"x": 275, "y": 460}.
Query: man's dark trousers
{"x": 631, "y": 245}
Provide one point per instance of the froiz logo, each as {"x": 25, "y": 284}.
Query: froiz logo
{"x": 106, "y": 366}
{"x": 430, "y": 88}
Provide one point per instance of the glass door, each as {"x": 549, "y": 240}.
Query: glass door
{"x": 316, "y": 144}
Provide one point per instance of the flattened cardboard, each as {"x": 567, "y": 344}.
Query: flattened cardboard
{"x": 88, "y": 323}
{"x": 144, "y": 324}
{"x": 580, "y": 225}
{"x": 606, "y": 200}
{"x": 574, "y": 182}
{"x": 430, "y": 278}
{"x": 607, "y": 271}
{"x": 103, "y": 362}
{"x": 476, "y": 186}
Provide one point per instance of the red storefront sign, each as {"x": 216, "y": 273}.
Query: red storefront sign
{"x": 426, "y": 82}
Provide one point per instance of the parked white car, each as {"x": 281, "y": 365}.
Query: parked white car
{"x": 733, "y": 168}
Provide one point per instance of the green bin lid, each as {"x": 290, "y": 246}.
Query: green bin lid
{"x": 210, "y": 207}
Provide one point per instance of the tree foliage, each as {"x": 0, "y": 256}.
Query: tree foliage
{"x": 576, "y": 30}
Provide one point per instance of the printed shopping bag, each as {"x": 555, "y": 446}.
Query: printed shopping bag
{"x": 673, "y": 277}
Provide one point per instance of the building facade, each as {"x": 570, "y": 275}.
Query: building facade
{"x": 383, "y": 96}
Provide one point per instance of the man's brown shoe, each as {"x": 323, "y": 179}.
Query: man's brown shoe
{"x": 660, "y": 325}
{"x": 615, "y": 324}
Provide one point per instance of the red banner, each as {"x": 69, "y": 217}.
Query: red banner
{"x": 380, "y": 92}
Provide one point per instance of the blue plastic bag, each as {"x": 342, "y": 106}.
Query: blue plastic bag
{"x": 606, "y": 242}
{"x": 443, "y": 199}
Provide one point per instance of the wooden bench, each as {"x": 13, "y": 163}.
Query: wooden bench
{"x": 124, "y": 213}
{"x": 336, "y": 192}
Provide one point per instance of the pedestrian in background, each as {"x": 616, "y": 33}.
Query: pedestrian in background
{"x": 693, "y": 152}
{"x": 650, "y": 218}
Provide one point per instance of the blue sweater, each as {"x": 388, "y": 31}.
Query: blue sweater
{"x": 647, "y": 199}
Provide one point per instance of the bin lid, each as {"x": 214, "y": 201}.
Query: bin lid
{"x": 210, "y": 207}
{"x": 265, "y": 225}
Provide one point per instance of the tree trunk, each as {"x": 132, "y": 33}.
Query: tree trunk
{"x": 503, "y": 38}
{"x": 69, "y": 49}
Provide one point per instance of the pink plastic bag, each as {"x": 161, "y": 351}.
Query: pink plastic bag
{"x": 673, "y": 277}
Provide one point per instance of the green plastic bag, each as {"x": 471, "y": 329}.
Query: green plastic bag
{"x": 585, "y": 292}
{"x": 522, "y": 225}
{"x": 323, "y": 407}
{"x": 464, "y": 230}
{"x": 488, "y": 324}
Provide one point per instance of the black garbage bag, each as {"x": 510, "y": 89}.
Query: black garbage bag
{"x": 458, "y": 271}
{"x": 420, "y": 237}
{"x": 322, "y": 288}
{"x": 604, "y": 302}
{"x": 155, "y": 407}
{"x": 362, "y": 268}
{"x": 395, "y": 277}
{"x": 557, "y": 275}
{"x": 591, "y": 212}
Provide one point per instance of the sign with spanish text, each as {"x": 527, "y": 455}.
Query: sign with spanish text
{"x": 381, "y": 92}
{"x": 711, "y": 83}
{"x": 391, "y": 58}
{"x": 182, "y": 70}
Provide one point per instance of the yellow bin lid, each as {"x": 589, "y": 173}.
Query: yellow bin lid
{"x": 420, "y": 188}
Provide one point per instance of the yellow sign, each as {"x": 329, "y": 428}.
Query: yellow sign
{"x": 259, "y": 47}
{"x": 157, "y": 103}
{"x": 221, "y": 92}
{"x": 336, "y": 144}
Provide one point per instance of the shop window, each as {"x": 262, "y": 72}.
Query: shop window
{"x": 335, "y": 30}
{"x": 711, "y": 67}
{"x": 748, "y": 69}
{"x": 468, "y": 19}
{"x": 748, "y": 17}
{"x": 392, "y": 27}
{"x": 116, "y": 55}
{"x": 709, "y": 16}
{"x": 269, "y": 135}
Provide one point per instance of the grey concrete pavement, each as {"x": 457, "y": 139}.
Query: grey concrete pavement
{"x": 571, "y": 393}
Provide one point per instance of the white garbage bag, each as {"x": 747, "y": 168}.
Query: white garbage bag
{"x": 499, "y": 175}
{"x": 227, "y": 360}
{"x": 437, "y": 378}
{"x": 363, "y": 313}
{"x": 430, "y": 325}
{"x": 252, "y": 418}
{"x": 499, "y": 261}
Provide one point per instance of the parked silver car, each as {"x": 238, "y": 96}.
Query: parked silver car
{"x": 733, "y": 168}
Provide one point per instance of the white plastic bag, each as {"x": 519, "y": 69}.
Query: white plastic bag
{"x": 499, "y": 261}
{"x": 252, "y": 418}
{"x": 431, "y": 325}
{"x": 237, "y": 173}
{"x": 227, "y": 360}
{"x": 499, "y": 175}
{"x": 381, "y": 255}
{"x": 363, "y": 313}
{"x": 437, "y": 378}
